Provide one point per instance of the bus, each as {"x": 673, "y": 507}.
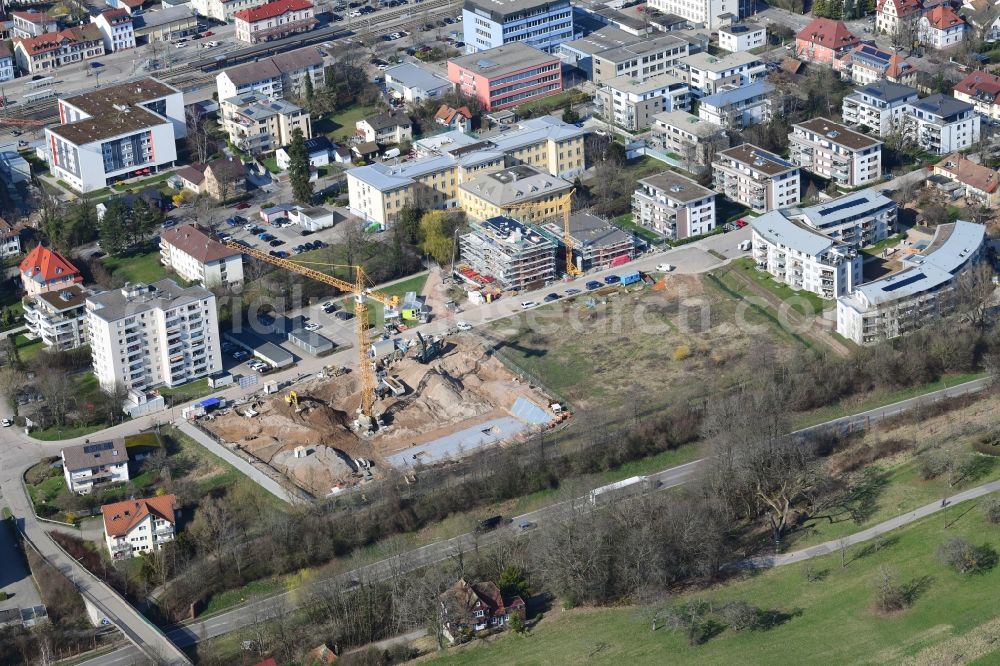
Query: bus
{"x": 39, "y": 96}
{"x": 43, "y": 82}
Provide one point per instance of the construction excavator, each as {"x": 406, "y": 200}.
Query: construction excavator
{"x": 362, "y": 292}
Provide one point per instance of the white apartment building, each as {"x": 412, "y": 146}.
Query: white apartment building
{"x": 736, "y": 108}
{"x": 673, "y": 206}
{"x": 942, "y": 124}
{"x": 258, "y": 124}
{"x": 709, "y": 14}
{"x": 831, "y": 150}
{"x": 803, "y": 258}
{"x": 543, "y": 24}
{"x": 26, "y": 25}
{"x": 879, "y": 106}
{"x": 631, "y": 104}
{"x": 858, "y": 219}
{"x": 116, "y": 29}
{"x": 143, "y": 336}
{"x": 116, "y": 133}
{"x": 692, "y": 138}
{"x": 90, "y": 465}
{"x": 57, "y": 317}
{"x": 6, "y": 63}
{"x": 708, "y": 74}
{"x": 756, "y": 178}
{"x": 139, "y": 526}
{"x": 277, "y": 77}
{"x": 742, "y": 37}
{"x": 223, "y": 10}
{"x": 197, "y": 257}
{"x": 982, "y": 91}
{"x": 903, "y": 301}
{"x": 639, "y": 59}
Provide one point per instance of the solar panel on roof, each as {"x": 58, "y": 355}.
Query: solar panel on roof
{"x": 97, "y": 448}
{"x": 893, "y": 286}
{"x": 839, "y": 207}
{"x": 773, "y": 158}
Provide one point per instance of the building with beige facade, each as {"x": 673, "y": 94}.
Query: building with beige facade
{"x": 257, "y": 124}
{"x": 631, "y": 103}
{"x": 522, "y": 192}
{"x": 834, "y": 151}
{"x": 756, "y": 178}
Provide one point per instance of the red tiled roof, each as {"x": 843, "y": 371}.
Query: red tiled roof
{"x": 903, "y": 7}
{"x": 52, "y": 40}
{"x": 195, "y": 243}
{"x": 446, "y": 114}
{"x": 943, "y": 17}
{"x": 119, "y": 15}
{"x": 272, "y": 10}
{"x": 981, "y": 85}
{"x": 34, "y": 17}
{"x": 121, "y": 517}
{"x": 828, "y": 33}
{"x": 968, "y": 172}
{"x": 43, "y": 264}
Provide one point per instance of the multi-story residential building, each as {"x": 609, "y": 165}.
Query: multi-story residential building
{"x": 506, "y": 76}
{"x": 522, "y": 192}
{"x": 48, "y": 52}
{"x": 880, "y": 106}
{"x": 979, "y": 182}
{"x": 116, "y": 30}
{"x": 274, "y": 20}
{"x": 258, "y": 124}
{"x": 543, "y": 24}
{"x": 512, "y": 253}
{"x": 857, "y": 219}
{"x": 692, "y": 138}
{"x": 803, "y": 258}
{"x": 640, "y": 59}
{"x": 414, "y": 83}
{"x": 31, "y": 24}
{"x": 378, "y": 192}
{"x": 673, "y": 206}
{"x": 736, "y": 108}
{"x": 277, "y": 77}
{"x": 197, "y": 257}
{"x": 596, "y": 242}
{"x": 824, "y": 40}
{"x": 223, "y": 10}
{"x": 144, "y": 336}
{"x": 223, "y": 179}
{"x": 831, "y": 150}
{"x": 385, "y": 128}
{"x": 866, "y": 64}
{"x": 164, "y": 25}
{"x": 708, "y": 74}
{"x": 922, "y": 291}
{"x": 711, "y": 14}
{"x": 756, "y": 178}
{"x": 10, "y": 239}
{"x": 897, "y": 17}
{"x": 94, "y": 464}
{"x": 139, "y": 526}
{"x": 631, "y": 104}
{"x": 580, "y": 53}
{"x": 982, "y": 91}
{"x": 116, "y": 133}
{"x": 942, "y": 125}
{"x": 742, "y": 37}
{"x": 45, "y": 270}
{"x": 6, "y": 64}
{"x": 941, "y": 28}
{"x": 133, "y": 7}
{"x": 57, "y": 318}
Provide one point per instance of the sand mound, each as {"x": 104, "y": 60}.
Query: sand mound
{"x": 318, "y": 471}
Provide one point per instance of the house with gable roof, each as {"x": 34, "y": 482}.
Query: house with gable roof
{"x": 46, "y": 270}
{"x": 197, "y": 257}
{"x": 138, "y": 526}
{"x": 477, "y": 606}
{"x": 982, "y": 91}
{"x": 893, "y": 16}
{"x": 941, "y": 28}
{"x": 824, "y": 40}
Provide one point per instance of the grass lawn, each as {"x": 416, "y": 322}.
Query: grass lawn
{"x": 376, "y": 311}
{"x": 724, "y": 281}
{"x": 271, "y": 163}
{"x": 826, "y": 621}
{"x": 28, "y": 349}
{"x": 189, "y": 391}
{"x": 341, "y": 123}
{"x": 55, "y": 433}
{"x": 139, "y": 267}
{"x": 804, "y": 302}
{"x": 557, "y": 101}
{"x": 876, "y": 249}
{"x": 727, "y": 210}
{"x": 225, "y": 600}
{"x": 644, "y": 166}
{"x": 140, "y": 184}
{"x": 625, "y": 222}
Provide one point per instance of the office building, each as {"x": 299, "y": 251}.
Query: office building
{"x": 881, "y": 107}
{"x": 631, "y": 104}
{"x": 708, "y": 74}
{"x": 277, "y": 77}
{"x": 91, "y": 466}
{"x": 144, "y": 336}
{"x": 513, "y": 254}
{"x": 858, "y": 219}
{"x": 707, "y": 14}
{"x": 833, "y": 151}
{"x": 580, "y": 53}
{"x": 640, "y": 59}
{"x": 57, "y": 317}
{"x": 673, "y": 206}
{"x": 942, "y": 125}
{"x": 756, "y": 178}
{"x": 522, "y": 192}
{"x": 506, "y": 76}
{"x": 543, "y": 24}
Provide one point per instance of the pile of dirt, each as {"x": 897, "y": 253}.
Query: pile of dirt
{"x": 318, "y": 470}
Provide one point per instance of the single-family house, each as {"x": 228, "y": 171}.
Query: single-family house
{"x": 824, "y": 40}
{"x": 896, "y": 17}
{"x": 319, "y": 148}
{"x": 471, "y": 607}
{"x": 10, "y": 239}
{"x": 941, "y": 28}
{"x": 223, "y": 179}
{"x": 978, "y": 182}
{"x": 138, "y": 526}
{"x": 46, "y": 270}
{"x": 94, "y": 464}
{"x": 385, "y": 128}
{"x": 456, "y": 119}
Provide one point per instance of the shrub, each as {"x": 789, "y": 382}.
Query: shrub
{"x": 682, "y": 352}
{"x": 966, "y": 558}
{"x": 740, "y": 615}
{"x": 931, "y": 465}
{"x": 889, "y": 596}
{"x": 991, "y": 510}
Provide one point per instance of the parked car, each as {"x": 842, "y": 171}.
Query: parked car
{"x": 312, "y": 326}
{"x": 239, "y": 355}
{"x": 594, "y": 284}
{"x": 528, "y": 304}
{"x": 277, "y": 242}
{"x": 740, "y": 223}
{"x": 611, "y": 279}
{"x": 343, "y": 315}
{"x": 6, "y": 423}
{"x": 463, "y": 325}
{"x": 551, "y": 297}
{"x": 572, "y": 292}
{"x": 665, "y": 268}
{"x": 243, "y": 205}
{"x": 306, "y": 232}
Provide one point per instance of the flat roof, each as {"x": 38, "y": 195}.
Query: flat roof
{"x": 410, "y": 75}
{"x": 713, "y": 63}
{"x": 588, "y": 230}
{"x": 608, "y": 37}
{"x": 510, "y": 233}
{"x": 501, "y": 8}
{"x": 741, "y": 29}
{"x": 839, "y": 134}
{"x": 640, "y": 47}
{"x": 311, "y": 338}
{"x": 887, "y": 91}
{"x": 274, "y": 353}
{"x": 737, "y": 95}
{"x": 509, "y": 57}
{"x": 165, "y": 294}
{"x": 775, "y": 228}
{"x": 108, "y": 125}
{"x": 155, "y": 19}
{"x": 759, "y": 159}
{"x": 688, "y": 122}
{"x": 942, "y": 105}
{"x": 849, "y": 206}
{"x": 107, "y": 98}
{"x": 677, "y": 186}
{"x": 631, "y": 84}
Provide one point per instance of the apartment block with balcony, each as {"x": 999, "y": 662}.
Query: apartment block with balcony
{"x": 277, "y": 77}
{"x": 858, "y": 219}
{"x": 57, "y": 318}
{"x": 673, "y": 206}
{"x": 93, "y": 465}
{"x": 640, "y": 58}
{"x": 708, "y": 74}
{"x": 737, "y": 108}
{"x": 920, "y": 292}
{"x": 803, "y": 258}
{"x": 687, "y": 135}
{"x": 879, "y": 106}
{"x": 257, "y": 124}
{"x": 756, "y": 178}
{"x": 631, "y": 104}
{"x": 512, "y": 253}
{"x": 144, "y": 336}
{"x": 139, "y": 526}
{"x": 834, "y": 151}
{"x": 942, "y": 125}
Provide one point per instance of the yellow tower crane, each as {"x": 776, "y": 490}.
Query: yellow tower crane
{"x": 361, "y": 292}
{"x": 565, "y": 202}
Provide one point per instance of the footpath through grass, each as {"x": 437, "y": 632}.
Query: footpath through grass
{"x": 828, "y": 617}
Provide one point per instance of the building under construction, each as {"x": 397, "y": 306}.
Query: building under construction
{"x": 596, "y": 242}
{"x": 514, "y": 254}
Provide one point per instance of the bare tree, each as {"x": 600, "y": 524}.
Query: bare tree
{"x": 198, "y": 140}
{"x": 976, "y": 294}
